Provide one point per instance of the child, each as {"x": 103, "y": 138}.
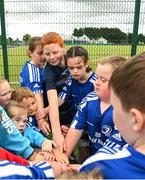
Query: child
{"x": 55, "y": 75}
{"x": 95, "y": 111}
{"x": 32, "y": 76}
{"x": 82, "y": 79}
{"x": 127, "y": 86}
{"x": 26, "y": 96}
{"x": 5, "y": 92}
{"x": 18, "y": 113}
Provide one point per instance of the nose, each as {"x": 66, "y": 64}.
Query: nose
{"x": 75, "y": 70}
{"x": 97, "y": 82}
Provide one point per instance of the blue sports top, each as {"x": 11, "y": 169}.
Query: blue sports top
{"x": 76, "y": 91}
{"x": 32, "y": 77}
{"x": 11, "y": 170}
{"x": 98, "y": 126}
{"x": 11, "y": 139}
{"x": 126, "y": 163}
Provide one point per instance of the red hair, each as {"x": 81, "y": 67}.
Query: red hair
{"x": 50, "y": 38}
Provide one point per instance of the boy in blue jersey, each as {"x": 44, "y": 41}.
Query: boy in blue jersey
{"x": 95, "y": 111}
{"x": 127, "y": 86}
{"x": 32, "y": 76}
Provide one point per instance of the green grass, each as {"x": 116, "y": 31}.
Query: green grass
{"x": 17, "y": 57}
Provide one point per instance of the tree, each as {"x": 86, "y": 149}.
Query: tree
{"x": 26, "y": 38}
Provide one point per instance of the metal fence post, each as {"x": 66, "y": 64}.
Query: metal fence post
{"x": 135, "y": 27}
{"x": 4, "y": 40}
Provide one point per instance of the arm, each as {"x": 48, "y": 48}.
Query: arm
{"x": 72, "y": 139}
{"x": 54, "y": 118}
{"x": 41, "y": 122}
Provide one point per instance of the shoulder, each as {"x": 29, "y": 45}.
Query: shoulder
{"x": 105, "y": 154}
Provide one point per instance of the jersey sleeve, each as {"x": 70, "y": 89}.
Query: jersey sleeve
{"x": 65, "y": 94}
{"x": 32, "y": 77}
{"x": 10, "y": 170}
{"x": 80, "y": 119}
{"x": 36, "y": 138}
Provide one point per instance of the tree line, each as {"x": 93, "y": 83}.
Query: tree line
{"x": 112, "y": 35}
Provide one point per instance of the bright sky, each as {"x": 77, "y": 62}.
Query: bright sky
{"x": 62, "y": 16}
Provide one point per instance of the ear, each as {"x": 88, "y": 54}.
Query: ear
{"x": 138, "y": 119}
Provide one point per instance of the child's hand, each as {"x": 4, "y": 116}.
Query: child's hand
{"x": 42, "y": 113}
{"x": 64, "y": 129}
{"x": 60, "y": 157}
{"x": 44, "y": 126}
{"x": 47, "y": 145}
{"x": 48, "y": 156}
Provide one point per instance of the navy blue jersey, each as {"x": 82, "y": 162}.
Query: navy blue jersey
{"x": 10, "y": 170}
{"x": 55, "y": 78}
{"x": 76, "y": 91}
{"x": 32, "y": 77}
{"x": 89, "y": 118}
{"x": 126, "y": 163}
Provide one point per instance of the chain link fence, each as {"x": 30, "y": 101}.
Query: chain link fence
{"x": 103, "y": 27}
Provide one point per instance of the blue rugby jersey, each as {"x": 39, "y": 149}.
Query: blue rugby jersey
{"x": 126, "y": 163}
{"x": 32, "y": 77}
{"x": 76, "y": 91}
{"x": 10, "y": 170}
{"x": 98, "y": 126}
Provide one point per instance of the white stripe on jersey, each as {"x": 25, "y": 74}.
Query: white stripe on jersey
{"x": 106, "y": 156}
{"x": 20, "y": 170}
{"x": 33, "y": 72}
{"x": 30, "y": 72}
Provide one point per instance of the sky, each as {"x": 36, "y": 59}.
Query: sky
{"x": 62, "y": 16}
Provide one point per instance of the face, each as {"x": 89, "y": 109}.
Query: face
{"x": 19, "y": 118}
{"x": 37, "y": 57}
{"x": 122, "y": 119}
{"x": 77, "y": 68}
{"x": 5, "y": 93}
{"x": 31, "y": 105}
{"x": 53, "y": 54}
{"x": 103, "y": 73}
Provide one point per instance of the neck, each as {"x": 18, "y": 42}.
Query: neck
{"x": 104, "y": 106}
{"x": 85, "y": 77}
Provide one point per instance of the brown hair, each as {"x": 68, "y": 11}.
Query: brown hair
{"x": 114, "y": 61}
{"x": 34, "y": 42}
{"x": 20, "y": 93}
{"x": 52, "y": 37}
{"x": 14, "y": 104}
{"x": 128, "y": 83}
{"x": 78, "y": 51}
{"x": 140, "y": 56}
{"x": 94, "y": 174}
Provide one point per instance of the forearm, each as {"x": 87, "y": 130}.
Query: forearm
{"x": 72, "y": 138}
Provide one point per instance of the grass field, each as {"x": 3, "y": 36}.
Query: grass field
{"x": 17, "y": 57}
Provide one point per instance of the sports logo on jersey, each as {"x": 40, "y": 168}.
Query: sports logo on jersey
{"x": 106, "y": 130}
{"x": 36, "y": 86}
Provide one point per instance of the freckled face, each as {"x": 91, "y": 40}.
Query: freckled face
{"x": 53, "y": 53}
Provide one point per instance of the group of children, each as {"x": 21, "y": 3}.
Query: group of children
{"x": 87, "y": 104}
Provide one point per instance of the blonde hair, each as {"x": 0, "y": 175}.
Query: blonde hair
{"x": 22, "y": 92}
{"x": 14, "y": 104}
{"x": 114, "y": 61}
{"x": 94, "y": 174}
